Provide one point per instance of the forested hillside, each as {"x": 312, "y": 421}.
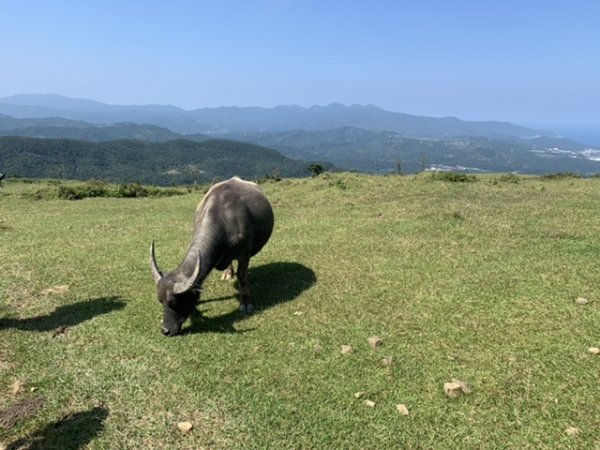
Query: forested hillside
{"x": 386, "y": 151}
{"x": 359, "y": 138}
{"x": 173, "y": 162}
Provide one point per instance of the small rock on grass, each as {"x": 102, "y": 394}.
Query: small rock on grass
{"x": 594, "y": 350}
{"x": 60, "y": 331}
{"x": 387, "y": 361}
{"x": 573, "y": 431}
{"x": 402, "y": 409}
{"x": 318, "y": 349}
{"x": 185, "y": 427}
{"x": 375, "y": 342}
{"x": 456, "y": 388}
{"x": 56, "y": 289}
{"x": 346, "y": 349}
{"x": 359, "y": 394}
{"x": 17, "y": 387}
{"x": 370, "y": 403}
{"x": 582, "y": 301}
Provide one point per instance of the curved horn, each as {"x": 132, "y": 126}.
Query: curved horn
{"x": 156, "y": 273}
{"x": 183, "y": 286}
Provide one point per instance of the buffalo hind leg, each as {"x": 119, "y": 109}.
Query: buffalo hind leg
{"x": 246, "y": 305}
{"x": 228, "y": 273}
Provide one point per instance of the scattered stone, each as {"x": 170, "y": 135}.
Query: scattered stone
{"x": 298, "y": 313}
{"x": 60, "y": 331}
{"x": 582, "y": 301}
{"x": 402, "y": 409}
{"x": 360, "y": 394}
{"x": 375, "y": 342}
{"x": 573, "y": 431}
{"x": 387, "y": 361}
{"x": 185, "y": 427}
{"x": 56, "y": 290}
{"x": 455, "y": 388}
{"x": 370, "y": 403}
{"x": 17, "y": 387}
{"x": 346, "y": 349}
{"x": 594, "y": 350}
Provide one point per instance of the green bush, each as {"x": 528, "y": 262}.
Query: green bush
{"x": 84, "y": 191}
{"x": 453, "y": 177}
{"x": 560, "y": 176}
{"x": 274, "y": 176}
{"x": 131, "y": 190}
{"x": 509, "y": 178}
{"x": 100, "y": 189}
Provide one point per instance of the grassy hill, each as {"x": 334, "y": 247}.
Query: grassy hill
{"x": 173, "y": 162}
{"x": 475, "y": 281}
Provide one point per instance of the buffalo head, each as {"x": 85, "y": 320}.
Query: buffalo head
{"x": 178, "y": 294}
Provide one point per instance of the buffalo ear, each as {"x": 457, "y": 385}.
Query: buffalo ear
{"x": 183, "y": 286}
{"x": 156, "y": 273}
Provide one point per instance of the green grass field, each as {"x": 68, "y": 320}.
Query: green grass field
{"x": 476, "y": 281}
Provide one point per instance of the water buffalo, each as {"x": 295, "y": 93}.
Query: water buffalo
{"x": 233, "y": 221}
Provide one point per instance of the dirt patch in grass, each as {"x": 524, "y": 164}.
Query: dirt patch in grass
{"x": 20, "y": 410}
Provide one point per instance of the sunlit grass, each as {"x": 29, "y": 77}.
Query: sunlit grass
{"x": 475, "y": 281}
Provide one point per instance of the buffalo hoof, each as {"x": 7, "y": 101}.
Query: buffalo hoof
{"x": 247, "y": 309}
{"x": 228, "y": 275}
{"x": 167, "y": 332}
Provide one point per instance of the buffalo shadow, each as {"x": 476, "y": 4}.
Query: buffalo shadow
{"x": 270, "y": 284}
{"x": 67, "y": 315}
{"x": 72, "y": 432}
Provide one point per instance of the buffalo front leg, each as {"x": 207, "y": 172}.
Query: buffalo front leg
{"x": 246, "y": 305}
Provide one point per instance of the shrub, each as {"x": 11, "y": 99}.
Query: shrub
{"x": 560, "y": 176}
{"x": 100, "y": 189}
{"x": 453, "y": 177}
{"x": 316, "y": 169}
{"x": 79, "y": 192}
{"x": 509, "y": 178}
{"x": 131, "y": 190}
{"x": 275, "y": 176}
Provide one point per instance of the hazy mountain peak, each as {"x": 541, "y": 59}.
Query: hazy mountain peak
{"x": 235, "y": 119}
{"x": 52, "y": 101}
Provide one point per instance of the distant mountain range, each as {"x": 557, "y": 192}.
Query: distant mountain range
{"x": 361, "y": 138}
{"x": 60, "y": 128}
{"x": 238, "y": 119}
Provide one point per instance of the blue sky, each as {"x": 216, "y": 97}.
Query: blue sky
{"x": 530, "y": 62}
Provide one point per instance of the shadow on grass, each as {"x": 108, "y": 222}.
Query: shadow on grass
{"x": 271, "y": 284}
{"x": 72, "y": 432}
{"x": 67, "y": 315}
